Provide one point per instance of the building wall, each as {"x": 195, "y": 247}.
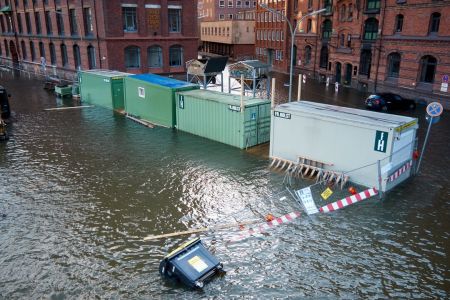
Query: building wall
{"x": 228, "y": 32}
{"x": 108, "y": 38}
{"x": 211, "y": 10}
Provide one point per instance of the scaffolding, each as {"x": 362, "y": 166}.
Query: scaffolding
{"x": 204, "y": 71}
{"x": 256, "y": 78}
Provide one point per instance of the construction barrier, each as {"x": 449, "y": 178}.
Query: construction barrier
{"x": 400, "y": 171}
{"x": 348, "y": 200}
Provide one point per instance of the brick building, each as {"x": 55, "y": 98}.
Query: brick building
{"x": 227, "y": 27}
{"x": 373, "y": 45}
{"x": 136, "y": 36}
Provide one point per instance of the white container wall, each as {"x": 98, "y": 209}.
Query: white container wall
{"x": 346, "y": 139}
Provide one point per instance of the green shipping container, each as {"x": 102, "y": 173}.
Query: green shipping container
{"x": 103, "y": 88}
{"x": 151, "y": 97}
{"x": 218, "y": 116}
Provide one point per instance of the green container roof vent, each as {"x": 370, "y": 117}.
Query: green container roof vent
{"x": 162, "y": 81}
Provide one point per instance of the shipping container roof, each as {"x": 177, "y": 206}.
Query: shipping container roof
{"x": 162, "y": 81}
{"x": 107, "y": 73}
{"x": 348, "y": 114}
{"x": 225, "y": 98}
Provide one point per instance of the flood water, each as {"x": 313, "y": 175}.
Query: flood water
{"x": 80, "y": 189}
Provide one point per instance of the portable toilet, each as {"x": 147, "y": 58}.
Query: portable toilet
{"x": 222, "y": 117}
{"x": 362, "y": 144}
{"x": 151, "y": 97}
{"x": 103, "y": 88}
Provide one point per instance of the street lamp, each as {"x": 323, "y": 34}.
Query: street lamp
{"x": 292, "y": 30}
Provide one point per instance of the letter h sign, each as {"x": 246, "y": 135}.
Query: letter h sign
{"x": 381, "y": 141}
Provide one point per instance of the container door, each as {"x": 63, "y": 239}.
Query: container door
{"x": 263, "y": 123}
{"x": 117, "y": 93}
{"x": 251, "y": 126}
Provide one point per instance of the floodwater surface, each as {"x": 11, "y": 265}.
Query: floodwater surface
{"x": 80, "y": 189}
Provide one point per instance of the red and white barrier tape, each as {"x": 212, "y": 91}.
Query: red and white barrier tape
{"x": 268, "y": 225}
{"x": 349, "y": 200}
{"x": 400, "y": 171}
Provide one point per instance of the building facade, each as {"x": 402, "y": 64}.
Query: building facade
{"x": 372, "y": 45}
{"x": 227, "y": 28}
{"x": 136, "y": 36}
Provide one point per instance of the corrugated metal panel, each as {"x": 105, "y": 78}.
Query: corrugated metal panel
{"x": 102, "y": 88}
{"x": 152, "y": 102}
{"x": 216, "y": 116}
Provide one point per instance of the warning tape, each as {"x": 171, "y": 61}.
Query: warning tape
{"x": 400, "y": 171}
{"x": 349, "y": 200}
{"x": 268, "y": 225}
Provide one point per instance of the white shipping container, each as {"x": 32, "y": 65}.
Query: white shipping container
{"x": 346, "y": 139}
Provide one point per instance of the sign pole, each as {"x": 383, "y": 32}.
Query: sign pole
{"x": 424, "y": 144}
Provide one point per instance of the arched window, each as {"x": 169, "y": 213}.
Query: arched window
{"x": 6, "y": 48}
{"x": 427, "y": 68}
{"x": 24, "y": 50}
{"x": 434, "y": 22}
{"x": 175, "y": 56}
{"x": 326, "y": 29}
{"x": 365, "y": 62}
{"x": 324, "y": 57}
{"x": 398, "y": 23}
{"x": 91, "y": 57}
{"x": 371, "y": 29}
{"x": 154, "y": 56}
{"x": 52, "y": 54}
{"x": 64, "y": 58}
{"x": 307, "y": 55}
{"x": 309, "y": 26}
{"x": 41, "y": 49}
{"x": 393, "y": 65}
{"x": 132, "y": 57}
{"x": 342, "y": 13}
{"x": 77, "y": 56}
{"x": 33, "y": 51}
{"x": 350, "y": 12}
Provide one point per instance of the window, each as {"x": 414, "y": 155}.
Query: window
{"x": 64, "y": 58}
{"x": 342, "y": 13}
{"x": 427, "y": 68}
{"x": 154, "y": 56}
{"x": 60, "y": 22}
{"x": 6, "y": 47}
{"x": 41, "y": 49}
{"x": 37, "y": 19}
{"x": 350, "y": 12}
{"x": 349, "y": 40}
{"x": 230, "y": 3}
{"x": 73, "y": 22}
{"x": 24, "y": 50}
{"x": 434, "y": 22}
{"x": 230, "y": 16}
{"x": 307, "y": 55}
{"x": 19, "y": 23}
{"x": 371, "y": 29}
{"x": 365, "y": 62}
{"x": 33, "y": 51}
{"x": 129, "y": 19}
{"x": 132, "y": 57}
{"x": 88, "y": 24}
{"x": 310, "y": 2}
{"x": 326, "y": 29}
{"x": 238, "y": 3}
{"x": 175, "y": 20}
{"x": 221, "y": 17}
{"x": 91, "y": 57}
{"x": 48, "y": 23}
{"x": 77, "y": 57}
{"x": 398, "y": 23}
{"x": 28, "y": 22}
{"x": 342, "y": 40}
{"x": 309, "y": 25}
{"x": 2, "y": 23}
{"x": 175, "y": 56}
{"x": 141, "y": 92}
{"x": 373, "y": 4}
{"x": 324, "y": 57}
{"x": 393, "y": 65}
{"x": 327, "y": 4}
{"x": 221, "y": 3}
{"x": 52, "y": 54}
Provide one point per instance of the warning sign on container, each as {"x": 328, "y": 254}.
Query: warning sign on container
{"x": 326, "y": 194}
{"x": 381, "y": 138}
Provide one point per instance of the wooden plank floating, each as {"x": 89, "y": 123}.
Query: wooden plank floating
{"x": 142, "y": 122}
{"x": 218, "y": 227}
{"x": 68, "y": 107}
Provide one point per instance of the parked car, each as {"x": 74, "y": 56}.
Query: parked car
{"x": 4, "y": 103}
{"x": 389, "y": 101}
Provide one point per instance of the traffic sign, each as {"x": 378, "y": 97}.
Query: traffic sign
{"x": 445, "y": 78}
{"x": 434, "y": 109}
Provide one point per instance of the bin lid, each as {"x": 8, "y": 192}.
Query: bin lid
{"x": 162, "y": 81}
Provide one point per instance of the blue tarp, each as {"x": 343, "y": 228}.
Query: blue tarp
{"x": 161, "y": 80}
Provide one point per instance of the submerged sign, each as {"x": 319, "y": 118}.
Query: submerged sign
{"x": 381, "y": 138}
{"x": 305, "y": 196}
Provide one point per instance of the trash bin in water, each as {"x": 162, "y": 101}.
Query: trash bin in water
{"x": 191, "y": 264}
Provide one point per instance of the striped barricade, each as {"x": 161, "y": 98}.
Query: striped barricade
{"x": 400, "y": 171}
{"x": 349, "y": 200}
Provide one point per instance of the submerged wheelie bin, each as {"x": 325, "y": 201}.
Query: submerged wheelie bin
{"x": 191, "y": 264}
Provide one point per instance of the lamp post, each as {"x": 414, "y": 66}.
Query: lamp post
{"x": 292, "y": 30}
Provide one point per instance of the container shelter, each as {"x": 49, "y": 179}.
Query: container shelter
{"x": 224, "y": 117}
{"x": 151, "y": 97}
{"x": 206, "y": 70}
{"x": 256, "y": 77}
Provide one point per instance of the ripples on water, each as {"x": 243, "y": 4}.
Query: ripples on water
{"x": 82, "y": 188}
